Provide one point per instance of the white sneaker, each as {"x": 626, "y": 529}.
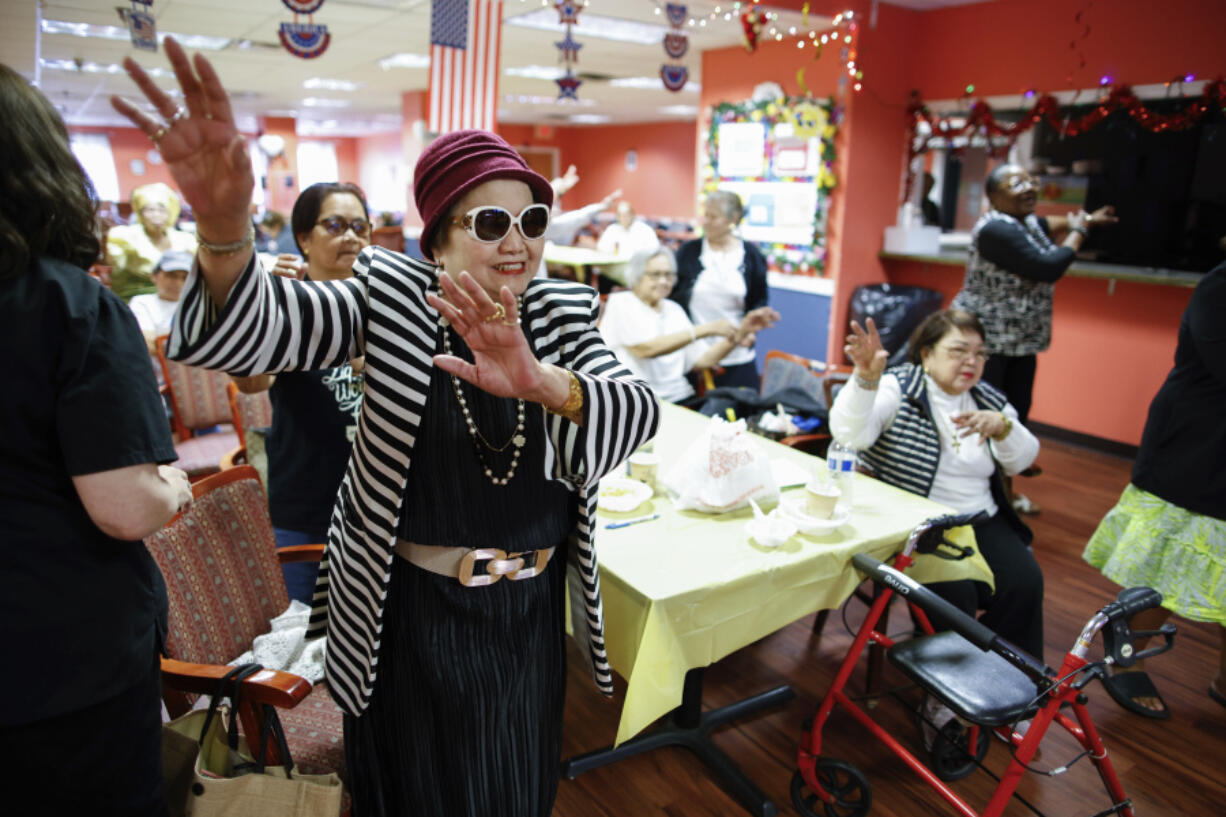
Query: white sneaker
{"x": 934, "y": 716}
{"x": 1023, "y": 504}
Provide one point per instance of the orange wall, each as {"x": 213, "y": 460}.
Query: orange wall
{"x": 128, "y": 144}
{"x": 1110, "y": 351}
{"x": 664, "y": 185}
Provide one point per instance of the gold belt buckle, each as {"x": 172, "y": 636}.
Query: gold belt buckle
{"x": 499, "y": 563}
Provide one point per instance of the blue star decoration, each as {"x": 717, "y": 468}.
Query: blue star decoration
{"x": 568, "y": 87}
{"x": 568, "y": 12}
{"x": 569, "y": 47}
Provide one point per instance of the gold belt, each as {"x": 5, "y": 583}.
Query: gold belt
{"x": 476, "y": 567}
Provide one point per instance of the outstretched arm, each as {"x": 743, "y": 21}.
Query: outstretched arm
{"x": 206, "y": 157}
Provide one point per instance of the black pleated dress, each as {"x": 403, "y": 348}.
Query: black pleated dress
{"x": 466, "y": 713}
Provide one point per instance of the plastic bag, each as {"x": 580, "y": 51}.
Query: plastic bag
{"x": 721, "y": 470}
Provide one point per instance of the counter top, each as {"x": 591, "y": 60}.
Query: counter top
{"x": 1079, "y": 269}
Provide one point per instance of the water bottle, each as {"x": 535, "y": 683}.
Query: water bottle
{"x": 841, "y": 470}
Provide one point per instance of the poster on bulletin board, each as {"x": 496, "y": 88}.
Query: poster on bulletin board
{"x": 778, "y": 156}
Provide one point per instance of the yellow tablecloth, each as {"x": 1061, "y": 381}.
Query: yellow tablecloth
{"x": 583, "y": 258}
{"x": 684, "y": 590}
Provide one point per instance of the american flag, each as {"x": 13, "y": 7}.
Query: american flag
{"x": 464, "y": 45}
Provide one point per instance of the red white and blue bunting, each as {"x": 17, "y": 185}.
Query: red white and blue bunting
{"x": 568, "y": 49}
{"x": 304, "y": 40}
{"x": 673, "y": 74}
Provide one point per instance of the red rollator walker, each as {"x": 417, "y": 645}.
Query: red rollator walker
{"x": 987, "y": 682}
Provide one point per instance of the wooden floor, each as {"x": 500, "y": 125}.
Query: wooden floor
{"x": 1173, "y": 767}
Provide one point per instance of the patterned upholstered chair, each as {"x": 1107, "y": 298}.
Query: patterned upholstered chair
{"x": 223, "y": 577}
{"x": 198, "y": 402}
{"x": 252, "y": 416}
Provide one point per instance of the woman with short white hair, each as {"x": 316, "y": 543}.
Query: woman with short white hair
{"x": 654, "y": 337}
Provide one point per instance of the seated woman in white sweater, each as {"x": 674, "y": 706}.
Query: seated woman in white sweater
{"x": 655, "y": 338}
{"x": 932, "y": 427}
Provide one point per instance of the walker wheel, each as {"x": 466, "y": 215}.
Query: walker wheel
{"x": 848, "y": 785}
{"x": 950, "y": 757}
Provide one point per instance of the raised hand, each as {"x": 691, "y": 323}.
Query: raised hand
{"x": 1103, "y": 215}
{"x": 866, "y": 351}
{"x": 202, "y": 148}
{"x": 503, "y": 364}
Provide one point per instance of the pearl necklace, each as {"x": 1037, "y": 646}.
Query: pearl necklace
{"x": 517, "y": 437}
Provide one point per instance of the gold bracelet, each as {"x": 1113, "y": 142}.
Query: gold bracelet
{"x": 227, "y": 249}
{"x": 572, "y": 409}
{"x": 1008, "y": 427}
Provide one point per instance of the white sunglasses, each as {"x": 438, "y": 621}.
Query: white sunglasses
{"x": 489, "y": 224}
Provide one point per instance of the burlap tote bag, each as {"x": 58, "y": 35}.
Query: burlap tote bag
{"x": 211, "y": 772}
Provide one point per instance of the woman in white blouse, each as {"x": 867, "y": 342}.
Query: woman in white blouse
{"x": 932, "y": 427}
{"x": 655, "y": 338}
{"x": 723, "y": 276}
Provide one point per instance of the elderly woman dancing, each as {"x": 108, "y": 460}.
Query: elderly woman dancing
{"x": 492, "y": 409}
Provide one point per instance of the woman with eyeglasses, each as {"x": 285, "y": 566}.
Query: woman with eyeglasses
{"x": 315, "y": 412}
{"x": 655, "y": 338}
{"x": 932, "y": 427}
{"x": 492, "y": 408}
{"x": 1016, "y": 259}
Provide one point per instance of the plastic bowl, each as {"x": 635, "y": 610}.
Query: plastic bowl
{"x": 792, "y": 506}
{"x": 621, "y": 495}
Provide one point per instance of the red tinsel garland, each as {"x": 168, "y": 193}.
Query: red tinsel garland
{"x": 982, "y": 119}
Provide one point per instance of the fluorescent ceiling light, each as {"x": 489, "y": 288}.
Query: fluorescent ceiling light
{"x": 680, "y": 110}
{"x": 404, "y": 60}
{"x": 650, "y": 83}
{"x": 191, "y": 41}
{"x": 531, "y": 99}
{"x": 535, "y": 72}
{"x": 589, "y": 118}
{"x": 593, "y": 25}
{"x": 97, "y": 68}
{"x": 317, "y": 102}
{"x": 322, "y": 84}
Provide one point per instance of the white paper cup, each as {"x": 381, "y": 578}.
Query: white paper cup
{"x": 820, "y": 499}
{"x": 644, "y": 466}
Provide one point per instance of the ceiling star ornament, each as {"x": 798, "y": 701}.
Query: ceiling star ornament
{"x": 304, "y": 40}
{"x": 673, "y": 74}
{"x": 568, "y": 87}
{"x": 568, "y": 50}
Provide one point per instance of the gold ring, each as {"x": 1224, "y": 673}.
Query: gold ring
{"x": 500, "y": 315}
{"x": 180, "y": 113}
{"x": 157, "y": 134}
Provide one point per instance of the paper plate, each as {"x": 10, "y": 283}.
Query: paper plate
{"x": 792, "y": 506}
{"x": 619, "y": 495}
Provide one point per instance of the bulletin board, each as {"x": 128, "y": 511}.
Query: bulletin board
{"x": 778, "y": 156}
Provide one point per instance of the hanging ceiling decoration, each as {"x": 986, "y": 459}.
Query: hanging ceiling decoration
{"x": 304, "y": 40}
{"x": 568, "y": 15}
{"x": 673, "y": 74}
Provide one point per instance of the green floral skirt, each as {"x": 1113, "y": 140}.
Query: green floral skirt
{"x": 1148, "y": 541}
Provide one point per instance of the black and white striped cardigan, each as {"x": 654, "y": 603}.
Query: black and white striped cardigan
{"x": 272, "y": 324}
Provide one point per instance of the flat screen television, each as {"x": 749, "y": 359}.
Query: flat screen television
{"x": 1168, "y": 189}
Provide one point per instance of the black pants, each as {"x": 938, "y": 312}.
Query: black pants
{"x": 1015, "y": 610}
{"x": 105, "y": 759}
{"x": 1015, "y": 377}
{"x": 742, "y": 374}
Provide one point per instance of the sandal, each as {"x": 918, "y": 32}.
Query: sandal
{"x": 1126, "y": 687}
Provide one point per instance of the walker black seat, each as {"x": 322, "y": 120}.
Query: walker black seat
{"x": 981, "y": 687}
